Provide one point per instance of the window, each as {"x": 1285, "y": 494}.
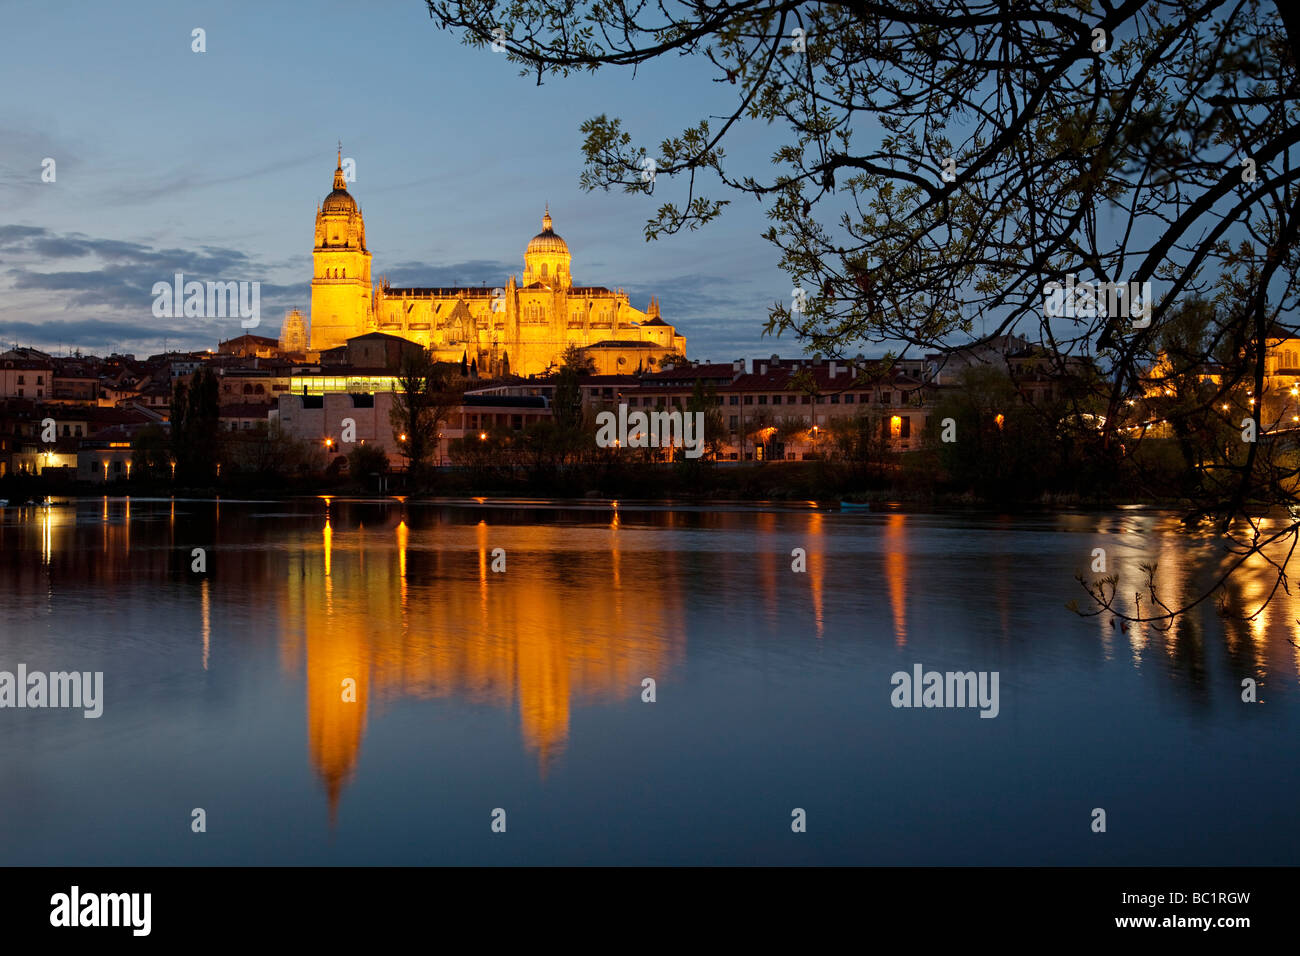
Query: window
{"x": 749, "y": 399}
{"x": 40, "y": 379}
{"x": 848, "y": 399}
{"x": 67, "y": 431}
{"x": 77, "y": 433}
{"x": 733, "y": 422}
{"x": 835, "y": 399}
{"x": 733, "y": 399}
{"x": 22, "y": 380}
{"x": 886, "y": 398}
{"x": 762, "y": 399}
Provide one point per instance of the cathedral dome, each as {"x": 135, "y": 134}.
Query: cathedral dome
{"x": 339, "y": 200}
{"x": 547, "y": 240}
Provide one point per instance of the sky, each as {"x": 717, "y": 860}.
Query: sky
{"x": 212, "y": 164}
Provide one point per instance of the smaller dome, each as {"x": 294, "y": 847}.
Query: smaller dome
{"x": 340, "y": 200}
{"x": 547, "y": 240}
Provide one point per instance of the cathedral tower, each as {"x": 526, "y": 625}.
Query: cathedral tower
{"x": 340, "y": 284}
{"x": 547, "y": 259}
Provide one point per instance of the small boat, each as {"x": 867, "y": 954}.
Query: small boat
{"x": 854, "y": 506}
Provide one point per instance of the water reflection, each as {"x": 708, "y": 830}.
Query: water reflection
{"x": 367, "y": 605}
{"x": 439, "y": 614}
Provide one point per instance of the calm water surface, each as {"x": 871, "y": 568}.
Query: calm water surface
{"x": 523, "y": 690}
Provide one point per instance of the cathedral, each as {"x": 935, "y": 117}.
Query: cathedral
{"x": 523, "y": 327}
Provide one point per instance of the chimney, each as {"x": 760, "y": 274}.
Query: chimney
{"x": 834, "y": 369}
{"x": 762, "y": 368}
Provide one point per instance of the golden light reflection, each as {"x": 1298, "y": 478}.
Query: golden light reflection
{"x": 403, "y": 536}
{"x": 481, "y": 530}
{"x": 540, "y": 641}
{"x": 327, "y": 534}
{"x": 895, "y": 541}
{"x": 817, "y": 570}
{"x": 205, "y": 603}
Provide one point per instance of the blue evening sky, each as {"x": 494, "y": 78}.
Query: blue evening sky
{"x": 213, "y": 164}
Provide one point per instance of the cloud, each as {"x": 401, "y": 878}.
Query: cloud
{"x": 55, "y": 280}
{"x": 489, "y": 272}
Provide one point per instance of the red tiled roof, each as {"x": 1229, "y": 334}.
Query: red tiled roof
{"x": 692, "y": 372}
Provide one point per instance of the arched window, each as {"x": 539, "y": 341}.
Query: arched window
{"x": 543, "y": 269}
{"x": 345, "y": 273}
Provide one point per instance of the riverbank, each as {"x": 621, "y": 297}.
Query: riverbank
{"x": 784, "y": 483}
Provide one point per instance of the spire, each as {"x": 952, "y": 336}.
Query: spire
{"x": 339, "y": 181}
{"x": 546, "y": 219}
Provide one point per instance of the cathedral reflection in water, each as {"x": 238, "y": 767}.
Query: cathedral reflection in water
{"x": 421, "y": 614}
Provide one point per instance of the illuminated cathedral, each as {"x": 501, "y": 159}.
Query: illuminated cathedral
{"x": 523, "y": 327}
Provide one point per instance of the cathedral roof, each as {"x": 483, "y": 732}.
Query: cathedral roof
{"x": 547, "y": 240}
{"x": 339, "y": 200}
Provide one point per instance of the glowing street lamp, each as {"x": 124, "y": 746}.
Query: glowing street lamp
{"x": 482, "y": 436}
{"x": 999, "y": 419}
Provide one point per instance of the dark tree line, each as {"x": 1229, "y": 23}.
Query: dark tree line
{"x": 940, "y": 162}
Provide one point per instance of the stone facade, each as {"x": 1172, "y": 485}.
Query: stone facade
{"x": 523, "y": 327}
